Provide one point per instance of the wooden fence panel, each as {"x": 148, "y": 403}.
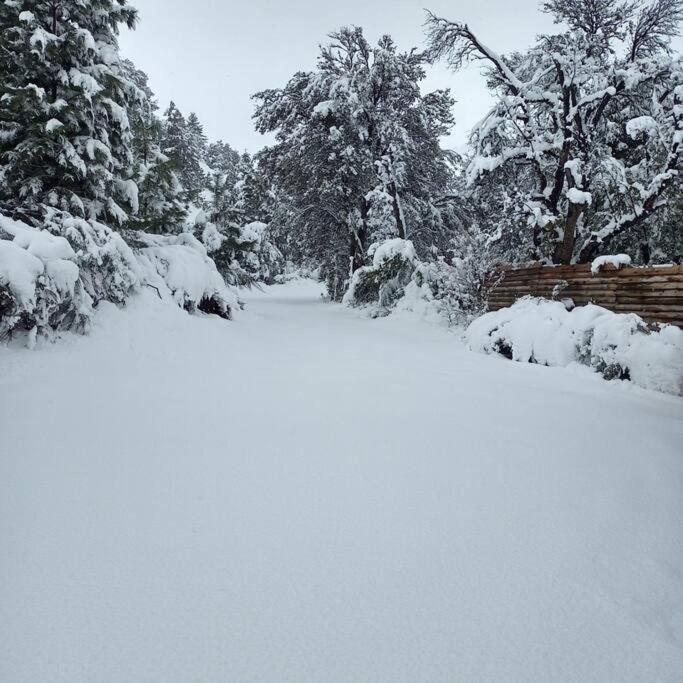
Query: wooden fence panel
{"x": 655, "y": 293}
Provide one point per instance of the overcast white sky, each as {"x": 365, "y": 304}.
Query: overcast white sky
{"x": 210, "y": 56}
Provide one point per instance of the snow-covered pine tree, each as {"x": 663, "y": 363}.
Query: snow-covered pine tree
{"x": 65, "y": 158}
{"x": 160, "y": 195}
{"x": 184, "y": 145}
{"x": 253, "y": 200}
{"x": 357, "y": 148}
{"x": 196, "y": 173}
{"x": 64, "y": 130}
{"x": 196, "y": 134}
{"x": 587, "y": 125}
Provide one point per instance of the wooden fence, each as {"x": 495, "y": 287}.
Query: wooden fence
{"x": 655, "y": 293}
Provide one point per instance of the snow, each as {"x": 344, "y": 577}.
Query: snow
{"x": 129, "y": 191}
{"x": 641, "y": 124}
{"x": 31, "y": 253}
{"x": 325, "y": 108}
{"x": 252, "y": 232}
{"x": 544, "y": 332}
{"x": 387, "y": 250}
{"x": 576, "y": 196}
{"x": 307, "y": 495}
{"x": 64, "y": 274}
{"x": 40, "y": 243}
{"x": 179, "y": 265}
{"x": 53, "y": 124}
{"x": 19, "y": 271}
{"x": 574, "y": 167}
{"x": 211, "y": 238}
{"x": 616, "y": 260}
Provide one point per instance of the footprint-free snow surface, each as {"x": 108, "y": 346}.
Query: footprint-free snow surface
{"x": 305, "y": 494}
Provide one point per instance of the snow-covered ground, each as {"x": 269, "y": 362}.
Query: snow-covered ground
{"x": 304, "y": 494}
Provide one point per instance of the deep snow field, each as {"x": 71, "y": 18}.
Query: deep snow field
{"x": 305, "y": 494}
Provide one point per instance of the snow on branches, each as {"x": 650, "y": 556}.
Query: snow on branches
{"x": 589, "y": 135}
{"x": 357, "y": 151}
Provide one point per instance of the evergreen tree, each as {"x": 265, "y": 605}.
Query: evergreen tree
{"x": 196, "y": 135}
{"x": 252, "y": 200}
{"x": 357, "y": 148}
{"x": 183, "y": 144}
{"x": 160, "y": 194}
{"x": 196, "y": 176}
{"x": 64, "y": 130}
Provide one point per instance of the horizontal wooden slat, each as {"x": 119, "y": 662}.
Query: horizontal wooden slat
{"x": 655, "y": 293}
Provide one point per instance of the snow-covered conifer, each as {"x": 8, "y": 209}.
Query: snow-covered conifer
{"x": 64, "y": 130}
{"x": 161, "y": 206}
{"x": 184, "y": 145}
{"x": 357, "y": 148}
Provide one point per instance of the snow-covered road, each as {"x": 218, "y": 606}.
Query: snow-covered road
{"x": 309, "y": 495}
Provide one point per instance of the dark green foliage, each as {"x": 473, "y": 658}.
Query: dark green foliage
{"x": 64, "y": 136}
{"x": 381, "y": 284}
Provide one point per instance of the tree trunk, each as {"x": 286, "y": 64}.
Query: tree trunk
{"x": 358, "y": 238}
{"x": 398, "y": 214}
{"x": 565, "y": 250}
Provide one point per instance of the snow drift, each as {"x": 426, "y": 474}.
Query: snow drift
{"x": 617, "y": 345}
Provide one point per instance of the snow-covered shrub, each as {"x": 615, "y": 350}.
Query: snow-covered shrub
{"x": 52, "y": 282}
{"x": 243, "y": 254}
{"x": 178, "y": 266}
{"x": 383, "y": 283}
{"x": 107, "y": 265}
{"x": 459, "y": 289}
{"x": 456, "y": 288}
{"x": 50, "y": 279}
{"x": 617, "y": 345}
{"x": 264, "y": 260}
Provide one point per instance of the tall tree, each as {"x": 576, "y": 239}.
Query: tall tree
{"x": 64, "y": 130}
{"x": 161, "y": 206}
{"x": 184, "y": 145}
{"x": 357, "y": 146}
{"x": 589, "y": 134}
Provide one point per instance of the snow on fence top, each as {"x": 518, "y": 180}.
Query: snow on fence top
{"x": 655, "y": 293}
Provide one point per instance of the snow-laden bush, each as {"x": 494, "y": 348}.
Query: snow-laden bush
{"x": 264, "y": 261}
{"x": 107, "y": 265}
{"x": 383, "y": 283}
{"x": 178, "y": 266}
{"x": 243, "y": 254}
{"x": 617, "y": 345}
{"x": 459, "y": 290}
{"x": 51, "y": 278}
{"x": 451, "y": 291}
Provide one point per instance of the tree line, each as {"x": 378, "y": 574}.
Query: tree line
{"x": 579, "y": 155}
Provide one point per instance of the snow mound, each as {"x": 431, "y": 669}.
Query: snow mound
{"x": 19, "y": 271}
{"x": 617, "y": 345}
{"x": 617, "y": 260}
{"x": 178, "y": 266}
